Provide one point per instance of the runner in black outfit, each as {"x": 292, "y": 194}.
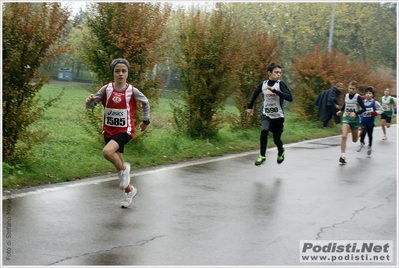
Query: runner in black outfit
{"x": 274, "y": 92}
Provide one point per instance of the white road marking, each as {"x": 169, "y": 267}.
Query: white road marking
{"x": 27, "y": 192}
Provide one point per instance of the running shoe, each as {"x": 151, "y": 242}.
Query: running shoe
{"x": 280, "y": 158}
{"x": 128, "y": 198}
{"x": 342, "y": 160}
{"x": 359, "y": 148}
{"x": 384, "y": 138}
{"x": 124, "y": 177}
{"x": 368, "y": 150}
{"x": 261, "y": 160}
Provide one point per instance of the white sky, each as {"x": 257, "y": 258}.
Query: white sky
{"x": 76, "y": 5}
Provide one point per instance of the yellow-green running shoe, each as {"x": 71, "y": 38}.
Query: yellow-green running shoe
{"x": 280, "y": 158}
{"x": 261, "y": 160}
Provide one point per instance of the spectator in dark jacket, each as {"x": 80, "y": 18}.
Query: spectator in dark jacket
{"x": 328, "y": 103}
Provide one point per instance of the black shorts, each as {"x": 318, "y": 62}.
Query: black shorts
{"x": 273, "y": 125}
{"x": 121, "y": 139}
{"x": 386, "y": 118}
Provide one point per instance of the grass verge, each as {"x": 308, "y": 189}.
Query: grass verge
{"x": 68, "y": 153}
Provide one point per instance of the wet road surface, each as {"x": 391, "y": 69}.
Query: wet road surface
{"x": 217, "y": 211}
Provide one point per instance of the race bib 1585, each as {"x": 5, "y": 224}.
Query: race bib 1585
{"x": 115, "y": 117}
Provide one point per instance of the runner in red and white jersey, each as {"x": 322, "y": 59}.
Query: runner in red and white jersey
{"x": 120, "y": 101}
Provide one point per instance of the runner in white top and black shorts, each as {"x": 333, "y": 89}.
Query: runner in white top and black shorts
{"x": 274, "y": 92}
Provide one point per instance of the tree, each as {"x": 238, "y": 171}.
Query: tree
{"x": 319, "y": 70}
{"x": 128, "y": 30}
{"x": 261, "y": 48}
{"x": 365, "y": 30}
{"x": 385, "y": 48}
{"x": 207, "y": 59}
{"x": 258, "y": 48}
{"x": 125, "y": 30}
{"x": 31, "y": 40}
{"x": 260, "y": 51}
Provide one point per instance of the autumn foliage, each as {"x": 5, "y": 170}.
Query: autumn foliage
{"x": 31, "y": 39}
{"x": 127, "y": 30}
{"x": 208, "y": 57}
{"x": 261, "y": 49}
{"x": 317, "y": 71}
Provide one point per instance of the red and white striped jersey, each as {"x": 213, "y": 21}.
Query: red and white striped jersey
{"x": 119, "y": 111}
{"x": 120, "y": 106}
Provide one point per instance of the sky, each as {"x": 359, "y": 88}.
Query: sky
{"x": 76, "y": 5}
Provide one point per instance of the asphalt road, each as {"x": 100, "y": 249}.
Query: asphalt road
{"x": 216, "y": 211}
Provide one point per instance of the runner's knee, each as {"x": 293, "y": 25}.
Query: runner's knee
{"x": 107, "y": 153}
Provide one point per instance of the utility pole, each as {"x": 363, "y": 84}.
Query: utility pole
{"x": 331, "y": 27}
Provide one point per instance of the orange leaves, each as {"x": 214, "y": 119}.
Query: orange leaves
{"x": 31, "y": 33}
{"x": 317, "y": 71}
{"x": 129, "y": 30}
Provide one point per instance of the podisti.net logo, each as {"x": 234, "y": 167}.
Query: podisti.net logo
{"x": 376, "y": 251}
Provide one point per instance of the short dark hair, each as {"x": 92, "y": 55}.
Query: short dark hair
{"x": 273, "y": 66}
{"x": 369, "y": 89}
{"x": 354, "y": 83}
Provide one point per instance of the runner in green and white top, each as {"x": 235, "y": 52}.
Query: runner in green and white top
{"x": 388, "y": 104}
{"x": 352, "y": 109}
